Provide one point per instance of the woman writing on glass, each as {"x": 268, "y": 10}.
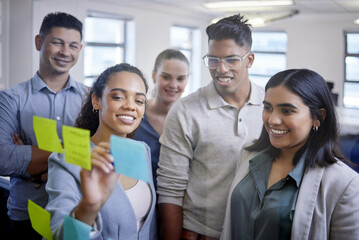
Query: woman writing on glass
{"x": 170, "y": 76}
{"x": 116, "y": 206}
{"x": 293, "y": 183}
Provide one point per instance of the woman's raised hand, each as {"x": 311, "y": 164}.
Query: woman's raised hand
{"x": 97, "y": 184}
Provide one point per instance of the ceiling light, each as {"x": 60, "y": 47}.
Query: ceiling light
{"x": 257, "y": 22}
{"x": 356, "y": 21}
{"x": 237, "y": 4}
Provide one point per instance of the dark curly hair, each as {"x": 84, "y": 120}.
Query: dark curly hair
{"x": 87, "y": 118}
{"x": 234, "y": 27}
{"x": 322, "y": 147}
{"x": 59, "y": 19}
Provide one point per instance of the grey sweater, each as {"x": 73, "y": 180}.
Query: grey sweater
{"x": 200, "y": 147}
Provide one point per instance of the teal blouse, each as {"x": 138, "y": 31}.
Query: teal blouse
{"x": 261, "y": 213}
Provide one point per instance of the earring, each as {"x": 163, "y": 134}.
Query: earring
{"x": 94, "y": 110}
{"x": 316, "y": 128}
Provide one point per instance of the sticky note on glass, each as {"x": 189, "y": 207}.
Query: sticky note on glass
{"x": 46, "y": 134}
{"x": 130, "y": 158}
{"x": 75, "y": 229}
{"x": 77, "y": 146}
{"x": 40, "y": 219}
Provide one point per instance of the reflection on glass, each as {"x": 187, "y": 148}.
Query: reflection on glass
{"x": 269, "y": 41}
{"x": 352, "y": 68}
{"x": 351, "y": 96}
{"x": 0, "y": 60}
{"x": 187, "y": 53}
{"x": 181, "y": 37}
{"x": 268, "y": 64}
{"x": 97, "y": 59}
{"x": 353, "y": 43}
{"x": 104, "y": 30}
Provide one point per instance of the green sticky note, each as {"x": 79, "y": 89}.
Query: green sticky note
{"x": 46, "y": 134}
{"x": 40, "y": 219}
{"x": 77, "y": 146}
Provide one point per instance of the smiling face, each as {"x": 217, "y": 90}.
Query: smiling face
{"x": 286, "y": 118}
{"x": 122, "y": 104}
{"x": 170, "y": 79}
{"x": 59, "y": 50}
{"x": 229, "y": 81}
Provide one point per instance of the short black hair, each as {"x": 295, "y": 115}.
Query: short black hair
{"x": 234, "y": 27}
{"x": 60, "y": 19}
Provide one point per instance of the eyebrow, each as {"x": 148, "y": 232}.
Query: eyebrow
{"x": 60, "y": 39}
{"x": 281, "y": 104}
{"x": 125, "y": 91}
{"x": 183, "y": 75}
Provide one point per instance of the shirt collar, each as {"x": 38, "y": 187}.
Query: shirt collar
{"x": 265, "y": 157}
{"x": 216, "y": 101}
{"x": 213, "y": 98}
{"x": 257, "y": 161}
{"x": 38, "y": 84}
{"x": 298, "y": 170}
{"x": 256, "y": 95}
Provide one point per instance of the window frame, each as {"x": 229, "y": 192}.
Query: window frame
{"x": 124, "y": 45}
{"x": 195, "y": 58}
{"x": 346, "y": 54}
{"x": 269, "y": 52}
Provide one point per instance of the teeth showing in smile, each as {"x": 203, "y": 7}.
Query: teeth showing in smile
{"x": 279, "y": 131}
{"x": 126, "y": 117}
{"x": 224, "y": 79}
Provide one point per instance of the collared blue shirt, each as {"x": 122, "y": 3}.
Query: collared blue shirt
{"x": 18, "y": 105}
{"x": 261, "y": 213}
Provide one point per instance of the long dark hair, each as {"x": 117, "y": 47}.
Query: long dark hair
{"x": 322, "y": 147}
{"x": 89, "y": 119}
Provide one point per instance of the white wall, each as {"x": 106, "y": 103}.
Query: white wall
{"x": 317, "y": 42}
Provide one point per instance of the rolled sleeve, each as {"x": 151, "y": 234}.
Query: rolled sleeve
{"x": 175, "y": 155}
{"x": 14, "y": 159}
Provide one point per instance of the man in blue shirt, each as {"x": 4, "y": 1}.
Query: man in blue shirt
{"x": 50, "y": 93}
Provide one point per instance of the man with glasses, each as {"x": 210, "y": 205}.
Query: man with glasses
{"x": 204, "y": 133}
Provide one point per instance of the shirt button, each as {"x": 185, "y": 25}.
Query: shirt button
{"x": 58, "y": 118}
{"x": 240, "y": 119}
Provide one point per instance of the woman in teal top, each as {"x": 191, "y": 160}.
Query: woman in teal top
{"x": 170, "y": 76}
{"x": 292, "y": 182}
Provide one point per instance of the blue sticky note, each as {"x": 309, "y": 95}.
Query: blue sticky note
{"x": 130, "y": 158}
{"x": 75, "y": 229}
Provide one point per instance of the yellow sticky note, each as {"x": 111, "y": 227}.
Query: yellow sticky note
{"x": 40, "y": 219}
{"x": 77, "y": 146}
{"x": 46, "y": 134}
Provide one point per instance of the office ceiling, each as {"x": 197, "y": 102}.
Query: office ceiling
{"x": 304, "y": 6}
{"x": 300, "y": 7}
